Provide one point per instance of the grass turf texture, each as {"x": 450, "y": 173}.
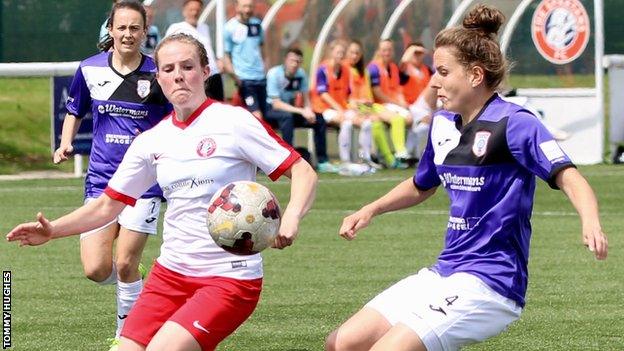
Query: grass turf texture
{"x": 574, "y": 301}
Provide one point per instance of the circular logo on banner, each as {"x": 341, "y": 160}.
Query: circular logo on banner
{"x": 560, "y": 30}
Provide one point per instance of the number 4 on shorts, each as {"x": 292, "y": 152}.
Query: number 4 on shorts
{"x": 451, "y": 299}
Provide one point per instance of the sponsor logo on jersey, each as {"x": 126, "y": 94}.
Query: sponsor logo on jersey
{"x": 459, "y": 223}
{"x": 143, "y": 88}
{"x": 455, "y": 182}
{"x": 118, "y": 139}
{"x": 190, "y": 183}
{"x": 103, "y": 83}
{"x": 479, "y": 147}
{"x": 560, "y": 30}
{"x": 119, "y": 111}
{"x": 206, "y": 147}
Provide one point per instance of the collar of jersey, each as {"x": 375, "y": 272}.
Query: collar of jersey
{"x": 458, "y": 119}
{"x": 192, "y": 117}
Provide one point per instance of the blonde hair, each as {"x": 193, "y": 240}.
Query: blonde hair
{"x": 475, "y": 43}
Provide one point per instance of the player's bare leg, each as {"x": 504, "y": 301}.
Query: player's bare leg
{"x": 173, "y": 337}
{"x": 399, "y": 338}
{"x": 358, "y": 333}
{"x": 130, "y": 245}
{"x": 96, "y": 254}
{"x": 130, "y": 345}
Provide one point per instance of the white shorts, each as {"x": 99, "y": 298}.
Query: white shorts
{"x": 401, "y": 111}
{"x": 447, "y": 313}
{"x": 142, "y": 218}
{"x": 331, "y": 115}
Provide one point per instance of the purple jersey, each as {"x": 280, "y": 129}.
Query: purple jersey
{"x": 122, "y": 106}
{"x": 488, "y": 169}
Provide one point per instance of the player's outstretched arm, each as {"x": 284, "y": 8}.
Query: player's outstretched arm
{"x": 88, "y": 217}
{"x": 302, "y": 193}
{"x": 70, "y": 128}
{"x": 402, "y": 196}
{"x": 582, "y": 197}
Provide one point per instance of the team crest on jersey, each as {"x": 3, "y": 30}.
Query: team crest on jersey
{"x": 206, "y": 147}
{"x": 560, "y": 30}
{"x": 143, "y": 88}
{"x": 479, "y": 147}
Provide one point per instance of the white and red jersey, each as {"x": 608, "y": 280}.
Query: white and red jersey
{"x": 191, "y": 160}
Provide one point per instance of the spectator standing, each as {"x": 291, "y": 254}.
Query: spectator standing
{"x": 243, "y": 60}
{"x": 191, "y": 10}
{"x": 153, "y": 34}
{"x": 289, "y": 106}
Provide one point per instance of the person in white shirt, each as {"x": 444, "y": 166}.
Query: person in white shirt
{"x": 191, "y": 10}
{"x": 197, "y": 293}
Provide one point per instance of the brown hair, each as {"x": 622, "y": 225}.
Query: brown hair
{"x": 187, "y": 1}
{"x": 360, "y": 65}
{"x": 135, "y": 5}
{"x": 186, "y": 39}
{"x": 475, "y": 43}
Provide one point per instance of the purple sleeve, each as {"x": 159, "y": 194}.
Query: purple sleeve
{"x": 79, "y": 98}
{"x": 373, "y": 72}
{"x": 532, "y": 145}
{"x": 426, "y": 176}
{"x": 321, "y": 81}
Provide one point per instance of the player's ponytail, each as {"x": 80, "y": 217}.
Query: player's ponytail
{"x": 475, "y": 43}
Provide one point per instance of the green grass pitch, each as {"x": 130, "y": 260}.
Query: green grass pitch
{"x": 574, "y": 301}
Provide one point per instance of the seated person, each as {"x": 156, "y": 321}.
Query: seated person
{"x": 361, "y": 98}
{"x": 329, "y": 94}
{"x": 385, "y": 82}
{"x": 415, "y": 76}
{"x": 285, "y": 83}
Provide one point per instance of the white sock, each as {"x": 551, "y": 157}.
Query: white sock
{"x": 344, "y": 141}
{"x": 365, "y": 140}
{"x": 127, "y": 294}
{"x": 112, "y": 278}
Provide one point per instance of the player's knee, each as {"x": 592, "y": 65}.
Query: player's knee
{"x": 342, "y": 342}
{"x": 335, "y": 343}
{"x": 98, "y": 274}
{"x": 127, "y": 267}
{"x": 330, "y": 342}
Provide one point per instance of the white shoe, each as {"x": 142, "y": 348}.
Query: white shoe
{"x": 354, "y": 169}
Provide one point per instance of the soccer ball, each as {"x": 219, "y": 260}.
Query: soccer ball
{"x": 243, "y": 217}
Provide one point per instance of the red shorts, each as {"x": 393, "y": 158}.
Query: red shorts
{"x": 210, "y": 308}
